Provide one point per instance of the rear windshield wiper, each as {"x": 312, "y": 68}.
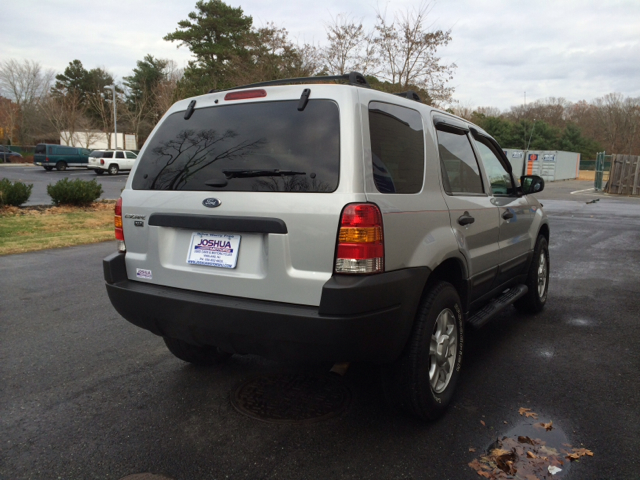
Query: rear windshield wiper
{"x": 259, "y": 173}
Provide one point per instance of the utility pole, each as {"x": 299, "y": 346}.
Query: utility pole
{"x": 115, "y": 119}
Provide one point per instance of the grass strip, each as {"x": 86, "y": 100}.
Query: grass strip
{"x": 27, "y": 229}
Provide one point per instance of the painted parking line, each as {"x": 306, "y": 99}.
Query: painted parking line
{"x": 585, "y": 190}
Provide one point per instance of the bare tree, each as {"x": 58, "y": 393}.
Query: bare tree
{"x": 488, "y": 111}
{"x": 168, "y": 90}
{"x": 408, "y": 51}
{"x": 65, "y": 113}
{"x": 24, "y": 83}
{"x": 351, "y": 47}
{"x": 9, "y": 117}
{"x": 103, "y": 109}
{"x": 618, "y": 120}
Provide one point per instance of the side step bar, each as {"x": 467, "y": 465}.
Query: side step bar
{"x": 485, "y": 314}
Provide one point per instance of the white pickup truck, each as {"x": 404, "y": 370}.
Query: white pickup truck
{"x": 111, "y": 161}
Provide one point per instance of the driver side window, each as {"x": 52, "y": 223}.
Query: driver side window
{"x": 499, "y": 178}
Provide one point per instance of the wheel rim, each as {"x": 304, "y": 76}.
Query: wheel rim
{"x": 443, "y": 350}
{"x": 542, "y": 275}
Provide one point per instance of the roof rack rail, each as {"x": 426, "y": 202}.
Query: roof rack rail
{"x": 352, "y": 78}
{"x": 410, "y": 94}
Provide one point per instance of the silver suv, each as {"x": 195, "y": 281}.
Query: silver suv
{"x": 326, "y": 222}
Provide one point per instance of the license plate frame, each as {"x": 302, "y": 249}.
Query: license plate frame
{"x": 218, "y": 250}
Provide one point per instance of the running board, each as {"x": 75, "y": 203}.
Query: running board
{"x": 485, "y": 314}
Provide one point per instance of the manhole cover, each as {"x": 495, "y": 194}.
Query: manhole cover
{"x": 292, "y": 398}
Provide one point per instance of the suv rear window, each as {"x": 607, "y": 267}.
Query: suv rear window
{"x": 99, "y": 154}
{"x": 40, "y": 149}
{"x": 266, "y": 147}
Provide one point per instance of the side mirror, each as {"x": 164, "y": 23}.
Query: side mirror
{"x": 531, "y": 184}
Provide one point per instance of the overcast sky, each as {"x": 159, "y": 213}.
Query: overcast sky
{"x": 573, "y": 49}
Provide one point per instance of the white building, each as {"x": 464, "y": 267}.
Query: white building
{"x": 94, "y": 140}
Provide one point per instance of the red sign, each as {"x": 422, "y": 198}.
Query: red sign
{"x": 533, "y": 156}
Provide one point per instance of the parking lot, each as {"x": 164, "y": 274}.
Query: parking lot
{"x": 112, "y": 185}
{"x": 86, "y": 395}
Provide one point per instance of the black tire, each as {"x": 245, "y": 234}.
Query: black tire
{"x": 48, "y": 169}
{"x": 202, "y": 356}
{"x": 61, "y": 166}
{"x": 99, "y": 172}
{"x": 536, "y": 297}
{"x": 113, "y": 169}
{"x": 407, "y": 381}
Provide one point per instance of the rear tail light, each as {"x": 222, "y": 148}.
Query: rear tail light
{"x": 360, "y": 241}
{"x": 46, "y": 159}
{"x": 101, "y": 161}
{"x": 117, "y": 221}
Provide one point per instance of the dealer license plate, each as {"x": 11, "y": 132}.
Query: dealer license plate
{"x": 214, "y": 250}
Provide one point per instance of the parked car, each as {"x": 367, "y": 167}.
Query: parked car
{"x": 60, "y": 157}
{"x": 112, "y": 161}
{"x": 6, "y": 155}
{"x": 326, "y": 222}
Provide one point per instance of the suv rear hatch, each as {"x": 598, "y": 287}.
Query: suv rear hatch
{"x": 243, "y": 197}
{"x": 97, "y": 159}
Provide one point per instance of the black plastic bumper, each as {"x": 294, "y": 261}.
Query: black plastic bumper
{"x": 359, "y": 318}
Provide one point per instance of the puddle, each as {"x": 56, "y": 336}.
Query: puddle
{"x": 535, "y": 449}
{"x": 145, "y": 476}
{"x": 581, "y": 322}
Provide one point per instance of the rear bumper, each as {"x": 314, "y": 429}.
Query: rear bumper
{"x": 359, "y": 318}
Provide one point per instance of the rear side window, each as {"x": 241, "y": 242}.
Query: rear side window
{"x": 266, "y": 147}
{"x": 65, "y": 151}
{"x": 40, "y": 149}
{"x": 460, "y": 171}
{"x": 131, "y": 155}
{"x": 98, "y": 154}
{"x": 397, "y": 148}
{"x": 119, "y": 154}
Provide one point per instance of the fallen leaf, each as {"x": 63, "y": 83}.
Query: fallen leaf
{"x": 527, "y": 413}
{"x": 505, "y": 422}
{"x": 499, "y": 452}
{"x": 567, "y": 445}
{"x": 485, "y": 474}
{"x": 471, "y": 449}
{"x": 483, "y": 424}
{"x": 526, "y": 440}
{"x": 579, "y": 452}
{"x": 531, "y": 477}
{"x": 553, "y": 470}
{"x": 547, "y": 426}
{"x": 531, "y": 455}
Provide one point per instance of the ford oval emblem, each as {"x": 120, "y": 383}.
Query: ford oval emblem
{"x": 211, "y": 202}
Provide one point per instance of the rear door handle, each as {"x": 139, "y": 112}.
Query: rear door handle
{"x": 507, "y": 215}
{"x": 466, "y": 219}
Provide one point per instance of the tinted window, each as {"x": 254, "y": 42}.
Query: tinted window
{"x": 131, "y": 155}
{"x": 119, "y": 154}
{"x": 65, "y": 151}
{"x": 460, "y": 171}
{"x": 267, "y": 146}
{"x": 101, "y": 154}
{"x": 499, "y": 178}
{"x": 40, "y": 149}
{"x": 397, "y": 148}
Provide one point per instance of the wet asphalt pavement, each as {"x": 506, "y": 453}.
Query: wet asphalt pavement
{"x": 112, "y": 185}
{"x": 84, "y": 394}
